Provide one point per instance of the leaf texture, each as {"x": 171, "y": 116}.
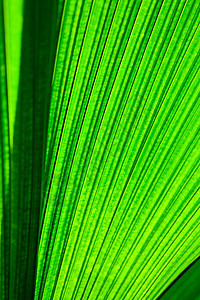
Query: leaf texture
{"x": 186, "y": 285}
{"x": 100, "y": 159}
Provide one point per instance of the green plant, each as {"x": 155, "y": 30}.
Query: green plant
{"x": 99, "y": 129}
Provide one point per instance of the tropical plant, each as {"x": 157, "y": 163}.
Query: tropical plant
{"x": 99, "y": 144}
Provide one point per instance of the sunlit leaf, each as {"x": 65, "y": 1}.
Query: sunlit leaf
{"x": 100, "y": 160}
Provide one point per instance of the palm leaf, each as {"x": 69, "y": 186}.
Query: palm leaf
{"x": 99, "y": 128}
{"x": 186, "y": 284}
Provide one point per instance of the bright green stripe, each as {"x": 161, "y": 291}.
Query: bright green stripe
{"x": 13, "y": 15}
{"x": 5, "y": 167}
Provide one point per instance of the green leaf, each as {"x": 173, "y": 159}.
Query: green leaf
{"x": 100, "y": 161}
{"x": 186, "y": 285}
